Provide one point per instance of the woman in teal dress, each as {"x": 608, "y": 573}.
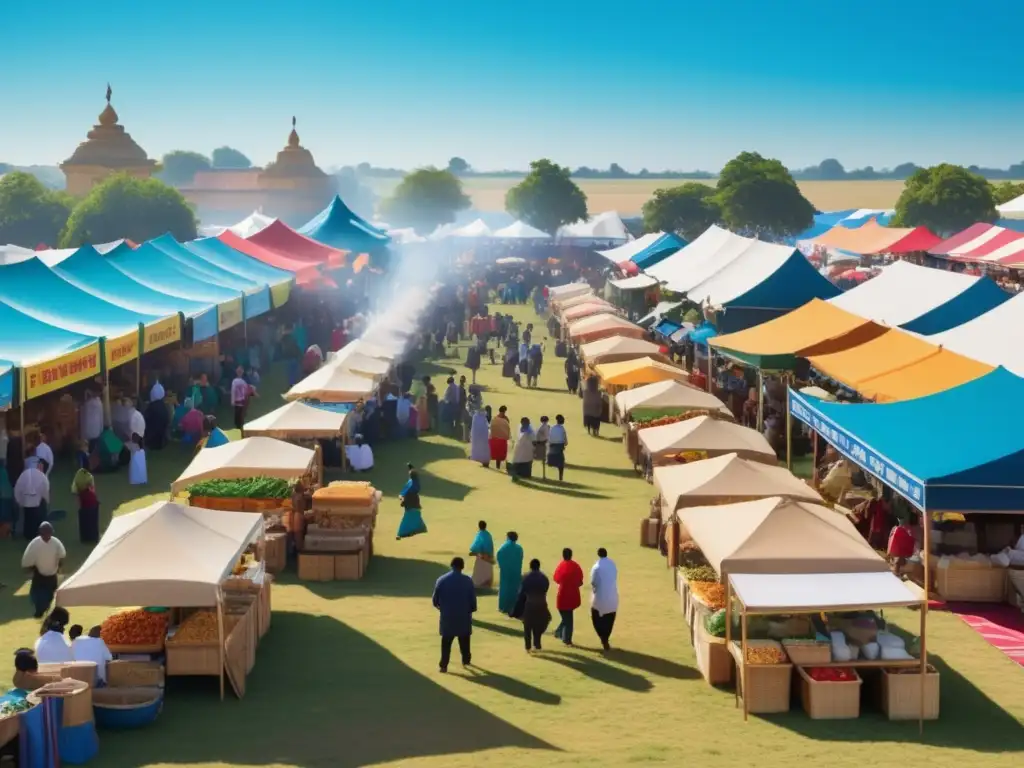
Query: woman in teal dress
{"x": 482, "y": 549}
{"x": 510, "y": 561}
{"x": 412, "y": 521}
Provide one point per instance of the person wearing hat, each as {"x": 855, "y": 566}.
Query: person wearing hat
{"x": 157, "y": 419}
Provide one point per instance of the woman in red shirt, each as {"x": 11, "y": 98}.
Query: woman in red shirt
{"x": 569, "y": 577}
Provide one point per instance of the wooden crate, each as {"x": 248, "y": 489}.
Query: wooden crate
{"x": 769, "y": 685}
{"x": 972, "y": 585}
{"x": 713, "y": 658}
{"x": 349, "y": 566}
{"x": 317, "y": 566}
{"x": 276, "y": 555}
{"x": 808, "y": 654}
{"x": 831, "y": 700}
{"x": 901, "y": 695}
{"x": 135, "y": 674}
{"x": 189, "y": 659}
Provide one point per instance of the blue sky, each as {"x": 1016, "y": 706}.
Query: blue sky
{"x": 644, "y": 83}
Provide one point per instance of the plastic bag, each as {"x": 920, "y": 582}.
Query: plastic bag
{"x": 871, "y": 651}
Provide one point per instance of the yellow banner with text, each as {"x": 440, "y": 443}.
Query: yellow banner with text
{"x": 229, "y": 314}
{"x": 120, "y": 349}
{"x": 161, "y": 333}
{"x": 279, "y": 293}
{"x": 62, "y": 371}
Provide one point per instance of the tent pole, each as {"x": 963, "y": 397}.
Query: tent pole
{"x": 220, "y": 636}
{"x": 21, "y": 415}
{"x": 709, "y": 370}
{"x": 924, "y": 661}
{"x": 760, "y": 400}
{"x": 106, "y": 398}
{"x": 743, "y": 666}
{"x": 138, "y": 375}
{"x": 728, "y": 629}
{"x": 789, "y": 433}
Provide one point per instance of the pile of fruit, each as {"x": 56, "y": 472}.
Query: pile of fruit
{"x": 711, "y": 593}
{"x": 201, "y": 629}
{"x": 765, "y": 653}
{"x": 245, "y": 488}
{"x": 832, "y": 674}
{"x": 662, "y": 421}
{"x": 138, "y": 627}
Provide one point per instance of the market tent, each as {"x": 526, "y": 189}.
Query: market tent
{"x": 248, "y": 457}
{"x": 873, "y": 238}
{"x": 605, "y": 227}
{"x": 898, "y": 366}
{"x": 661, "y": 309}
{"x": 701, "y": 259}
{"x": 575, "y": 301}
{"x": 996, "y": 337}
{"x": 340, "y": 227}
{"x": 768, "y": 593}
{"x": 332, "y": 385}
{"x": 777, "y": 535}
{"x": 476, "y": 228}
{"x": 297, "y": 420}
{"x": 814, "y": 328}
{"x": 633, "y": 373}
{"x": 954, "y": 450}
{"x": 359, "y": 364}
{"x": 921, "y": 299}
{"x": 645, "y": 251}
{"x": 617, "y": 348}
{"x": 601, "y": 326}
{"x": 305, "y": 272}
{"x": 220, "y": 254}
{"x": 164, "y": 554}
{"x": 153, "y": 268}
{"x": 1013, "y": 208}
{"x": 583, "y": 309}
{"x": 706, "y": 435}
{"x": 567, "y": 291}
{"x": 635, "y": 283}
{"x": 283, "y": 239}
{"x": 1009, "y": 255}
{"x": 27, "y": 340}
{"x": 726, "y": 479}
{"x": 247, "y": 227}
{"x": 666, "y": 396}
{"x": 520, "y": 230}
{"x": 976, "y": 242}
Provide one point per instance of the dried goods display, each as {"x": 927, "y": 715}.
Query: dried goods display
{"x": 832, "y": 674}
{"x": 244, "y": 488}
{"x": 700, "y": 573}
{"x": 662, "y": 421}
{"x": 712, "y": 594}
{"x": 201, "y": 628}
{"x": 137, "y": 627}
{"x": 767, "y": 653}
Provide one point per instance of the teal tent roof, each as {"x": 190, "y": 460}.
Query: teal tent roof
{"x": 152, "y": 267}
{"x": 202, "y": 268}
{"x": 25, "y": 340}
{"x": 6, "y": 384}
{"x": 217, "y": 438}
{"x": 92, "y": 272}
{"x": 339, "y": 227}
{"x": 222, "y": 255}
{"x": 34, "y": 289}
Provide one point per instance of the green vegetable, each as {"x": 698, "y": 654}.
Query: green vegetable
{"x": 9, "y": 708}
{"x": 700, "y": 573}
{"x": 715, "y": 623}
{"x": 244, "y": 488}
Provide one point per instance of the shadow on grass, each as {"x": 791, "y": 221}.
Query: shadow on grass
{"x": 385, "y": 577}
{"x": 652, "y": 665}
{"x": 599, "y": 671}
{"x": 509, "y": 686}
{"x": 390, "y": 472}
{"x": 356, "y": 705}
{"x": 509, "y": 630}
{"x": 560, "y": 489}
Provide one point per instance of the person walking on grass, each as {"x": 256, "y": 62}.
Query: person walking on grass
{"x": 510, "y": 565}
{"x": 569, "y": 577}
{"x": 43, "y": 558}
{"x": 455, "y": 598}
{"x": 532, "y": 606}
{"x": 558, "y": 440}
{"x": 593, "y": 406}
{"x": 540, "y": 445}
{"x": 604, "y": 599}
{"x": 501, "y": 432}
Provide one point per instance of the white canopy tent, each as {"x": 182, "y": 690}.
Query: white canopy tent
{"x": 1013, "y": 209}
{"x": 792, "y": 592}
{"x": 628, "y": 250}
{"x": 995, "y": 337}
{"x": 332, "y": 385}
{"x": 635, "y": 283}
{"x": 903, "y": 292}
{"x": 252, "y": 224}
{"x": 165, "y": 554}
{"x": 604, "y": 227}
{"x": 709, "y": 436}
{"x": 617, "y": 348}
{"x": 249, "y": 457}
{"x": 14, "y": 254}
{"x": 693, "y": 256}
{"x": 297, "y": 420}
{"x": 575, "y": 301}
{"x": 520, "y": 230}
{"x": 475, "y": 229}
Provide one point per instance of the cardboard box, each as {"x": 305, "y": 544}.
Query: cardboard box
{"x": 649, "y": 532}
{"x": 315, "y": 566}
{"x": 349, "y": 567}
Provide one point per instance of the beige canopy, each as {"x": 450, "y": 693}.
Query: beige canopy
{"x": 707, "y": 435}
{"x": 163, "y": 555}
{"x": 665, "y": 395}
{"x": 601, "y": 326}
{"x": 595, "y": 306}
{"x": 615, "y": 349}
{"x": 332, "y": 385}
{"x": 250, "y": 457}
{"x": 725, "y": 480}
{"x": 562, "y": 292}
{"x": 582, "y": 298}
{"x": 776, "y": 535}
{"x": 297, "y": 420}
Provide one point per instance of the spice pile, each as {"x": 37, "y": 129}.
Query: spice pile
{"x": 832, "y": 674}
{"x": 710, "y": 593}
{"x": 765, "y": 653}
{"x": 138, "y": 627}
{"x": 201, "y": 629}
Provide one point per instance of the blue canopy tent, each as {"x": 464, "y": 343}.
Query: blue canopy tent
{"x": 26, "y": 340}
{"x": 951, "y": 451}
{"x": 339, "y": 227}
{"x": 659, "y": 250}
{"x": 222, "y": 255}
{"x": 6, "y": 384}
{"x": 257, "y": 293}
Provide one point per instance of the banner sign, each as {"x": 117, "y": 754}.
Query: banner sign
{"x": 120, "y": 349}
{"x": 856, "y": 451}
{"x": 6, "y": 385}
{"x": 256, "y": 303}
{"x": 60, "y": 372}
{"x": 161, "y": 333}
{"x": 229, "y": 314}
{"x": 204, "y": 325}
{"x": 279, "y": 293}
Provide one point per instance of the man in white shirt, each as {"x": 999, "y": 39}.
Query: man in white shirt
{"x": 239, "y": 396}
{"x": 402, "y": 410}
{"x": 360, "y": 455}
{"x": 32, "y": 493}
{"x": 43, "y": 557}
{"x": 92, "y": 648}
{"x": 91, "y": 418}
{"x": 136, "y": 423}
{"x": 604, "y": 600}
{"x": 558, "y": 440}
{"x": 44, "y": 453}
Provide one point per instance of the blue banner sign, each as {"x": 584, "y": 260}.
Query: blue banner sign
{"x": 856, "y": 451}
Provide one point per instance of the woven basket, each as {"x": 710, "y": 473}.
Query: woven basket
{"x": 768, "y": 688}
{"x": 901, "y": 695}
{"x": 829, "y": 700}
{"x": 131, "y": 674}
{"x": 972, "y": 585}
{"x": 186, "y": 660}
{"x": 808, "y": 654}
{"x": 77, "y": 698}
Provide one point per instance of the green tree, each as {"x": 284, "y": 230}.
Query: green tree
{"x": 228, "y": 157}
{"x": 31, "y": 214}
{"x": 425, "y": 199}
{"x": 123, "y": 206}
{"x": 758, "y": 195}
{"x": 1007, "y": 191}
{"x": 179, "y": 167}
{"x": 547, "y": 198}
{"x": 688, "y": 209}
{"x": 457, "y": 166}
{"x": 945, "y": 198}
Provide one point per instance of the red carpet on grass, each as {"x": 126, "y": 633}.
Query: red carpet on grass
{"x": 1001, "y": 625}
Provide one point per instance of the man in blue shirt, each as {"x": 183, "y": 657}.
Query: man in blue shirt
{"x": 455, "y": 597}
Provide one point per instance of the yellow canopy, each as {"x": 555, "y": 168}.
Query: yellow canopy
{"x": 631, "y": 373}
{"x": 898, "y": 366}
{"x": 815, "y": 328}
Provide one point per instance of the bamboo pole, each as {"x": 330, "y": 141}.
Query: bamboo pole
{"x": 743, "y": 665}
{"x": 728, "y": 631}
{"x": 927, "y": 523}
{"x": 220, "y": 637}
{"x": 789, "y": 433}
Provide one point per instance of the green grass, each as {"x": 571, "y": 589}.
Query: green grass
{"x": 348, "y": 676}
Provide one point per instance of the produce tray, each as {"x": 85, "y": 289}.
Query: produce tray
{"x": 830, "y": 700}
{"x": 140, "y": 649}
{"x": 808, "y": 654}
{"x": 192, "y": 659}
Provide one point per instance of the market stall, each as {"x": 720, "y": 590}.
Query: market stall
{"x": 628, "y": 374}
{"x": 700, "y": 438}
{"x": 187, "y": 559}
{"x": 561, "y": 293}
{"x": 602, "y": 326}
{"x": 561, "y": 305}
{"x": 616, "y": 349}
{"x": 248, "y": 458}
{"x": 332, "y": 385}
{"x": 586, "y": 309}
{"x": 297, "y": 421}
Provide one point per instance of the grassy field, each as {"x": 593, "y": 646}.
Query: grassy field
{"x": 347, "y": 675}
{"x": 627, "y": 196}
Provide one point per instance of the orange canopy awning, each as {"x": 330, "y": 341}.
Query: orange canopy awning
{"x": 898, "y": 366}
{"x": 874, "y": 238}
